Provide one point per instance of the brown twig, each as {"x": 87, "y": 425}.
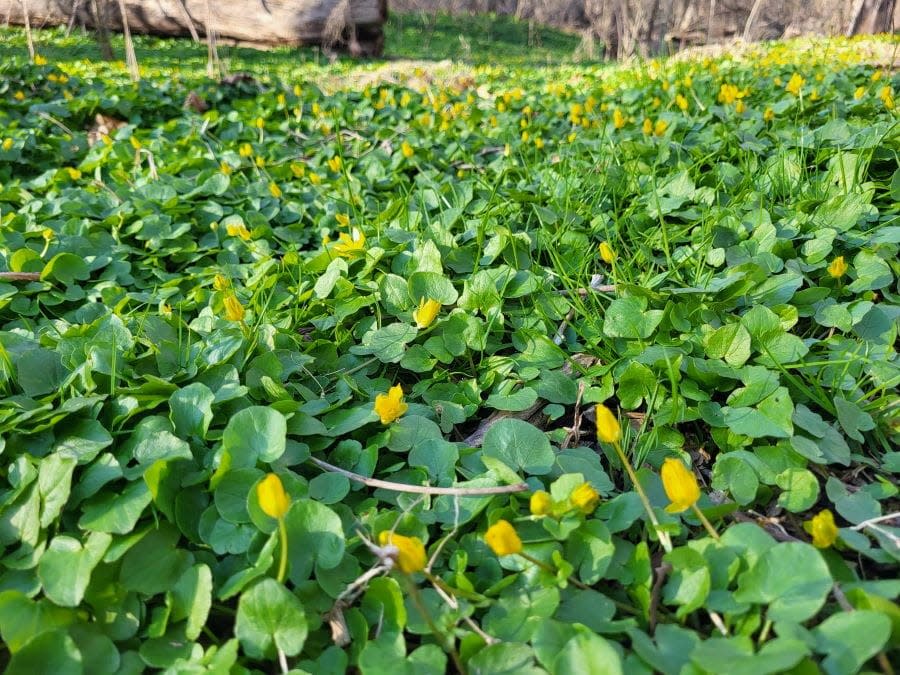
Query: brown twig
{"x": 20, "y": 276}
{"x": 421, "y": 489}
{"x": 661, "y": 573}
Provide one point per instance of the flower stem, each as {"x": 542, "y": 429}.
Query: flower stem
{"x": 282, "y": 564}
{"x": 663, "y": 536}
{"x": 705, "y": 521}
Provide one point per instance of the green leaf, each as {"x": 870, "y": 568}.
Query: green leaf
{"x": 65, "y": 568}
{"x": 629, "y": 318}
{"x": 731, "y": 343}
{"x": 191, "y": 410}
{"x": 872, "y": 273}
{"x": 66, "y": 268}
{"x": 431, "y": 286}
{"x": 519, "y": 445}
{"x": 587, "y": 654}
{"x": 849, "y": 639}
{"x": 255, "y": 434}
{"x": 519, "y": 400}
{"x": 52, "y": 652}
{"x": 689, "y": 582}
{"x": 771, "y": 417}
{"x": 852, "y": 418}
{"x": 387, "y": 344}
{"x": 316, "y": 537}
{"x": 270, "y": 617}
{"x": 800, "y": 489}
{"x": 774, "y": 580}
{"x": 154, "y": 564}
{"x": 116, "y": 513}
{"x": 191, "y": 599}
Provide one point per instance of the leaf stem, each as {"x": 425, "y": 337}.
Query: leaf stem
{"x": 282, "y": 564}
{"x": 663, "y": 536}
{"x": 705, "y": 521}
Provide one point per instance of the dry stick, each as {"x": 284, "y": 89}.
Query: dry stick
{"x": 20, "y": 276}
{"x": 28, "y": 36}
{"x": 661, "y": 573}
{"x": 421, "y": 489}
{"x": 130, "y": 56}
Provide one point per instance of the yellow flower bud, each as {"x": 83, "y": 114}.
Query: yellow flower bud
{"x": 502, "y": 539}
{"x": 680, "y": 485}
{"x": 607, "y": 253}
{"x": 822, "y": 528}
{"x": 541, "y": 503}
{"x": 390, "y": 406}
{"x": 274, "y": 190}
{"x": 238, "y": 230}
{"x": 608, "y": 429}
{"x": 135, "y": 143}
{"x": 7, "y": 144}
{"x": 647, "y": 126}
{"x": 298, "y": 170}
{"x": 837, "y": 267}
{"x": 411, "y": 556}
{"x": 426, "y": 313}
{"x": 220, "y": 283}
{"x": 234, "y": 310}
{"x": 407, "y": 150}
{"x": 795, "y": 84}
{"x": 342, "y": 218}
{"x": 585, "y": 498}
{"x": 245, "y": 150}
{"x": 660, "y": 127}
{"x": 273, "y": 500}
{"x": 335, "y": 163}
{"x": 74, "y": 174}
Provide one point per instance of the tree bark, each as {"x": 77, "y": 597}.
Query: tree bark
{"x": 251, "y": 22}
{"x": 871, "y": 16}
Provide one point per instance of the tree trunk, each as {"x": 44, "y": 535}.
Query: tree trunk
{"x": 250, "y": 22}
{"x": 871, "y": 16}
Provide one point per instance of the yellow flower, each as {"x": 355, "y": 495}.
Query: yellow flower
{"x": 238, "y": 230}
{"x": 541, "y": 503}
{"x": 274, "y": 190}
{"x": 298, "y": 170}
{"x": 886, "y": 95}
{"x": 273, "y": 500}
{"x": 314, "y": 178}
{"x": 74, "y": 174}
{"x": 502, "y": 539}
{"x": 608, "y": 429}
{"x": 660, "y": 127}
{"x": 260, "y": 161}
{"x": 681, "y": 102}
{"x": 585, "y": 498}
{"x": 19, "y": 95}
{"x": 795, "y": 84}
{"x": 297, "y": 90}
{"x": 680, "y": 485}
{"x": 539, "y": 143}
{"x": 877, "y": 75}
{"x": 837, "y": 267}
{"x": 220, "y": 283}
{"x": 7, "y": 144}
{"x": 225, "y": 168}
{"x": 425, "y": 315}
{"x": 407, "y": 150}
{"x": 728, "y": 93}
{"x": 40, "y": 60}
{"x": 234, "y": 310}
{"x": 342, "y": 218}
{"x": 411, "y": 556}
{"x": 47, "y": 234}
{"x": 245, "y": 150}
{"x": 768, "y": 115}
{"x": 822, "y": 528}
{"x": 351, "y": 244}
{"x": 739, "y": 107}
{"x": 647, "y": 126}
{"x": 390, "y": 406}
{"x": 260, "y": 123}
{"x": 135, "y": 143}
{"x": 335, "y": 163}
{"x": 607, "y": 253}
{"x": 859, "y": 93}
{"x": 281, "y": 99}
{"x": 688, "y": 81}
{"x": 525, "y": 136}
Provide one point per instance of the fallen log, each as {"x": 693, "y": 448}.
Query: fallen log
{"x": 356, "y": 25}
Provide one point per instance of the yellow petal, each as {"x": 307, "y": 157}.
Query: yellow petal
{"x": 680, "y": 485}
{"x": 273, "y": 500}
{"x": 502, "y": 539}
{"x": 608, "y": 429}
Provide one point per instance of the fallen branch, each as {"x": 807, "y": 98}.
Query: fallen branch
{"x": 661, "y": 573}
{"x": 20, "y": 276}
{"x": 421, "y": 489}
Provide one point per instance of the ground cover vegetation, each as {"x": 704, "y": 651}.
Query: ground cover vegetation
{"x": 629, "y": 331}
